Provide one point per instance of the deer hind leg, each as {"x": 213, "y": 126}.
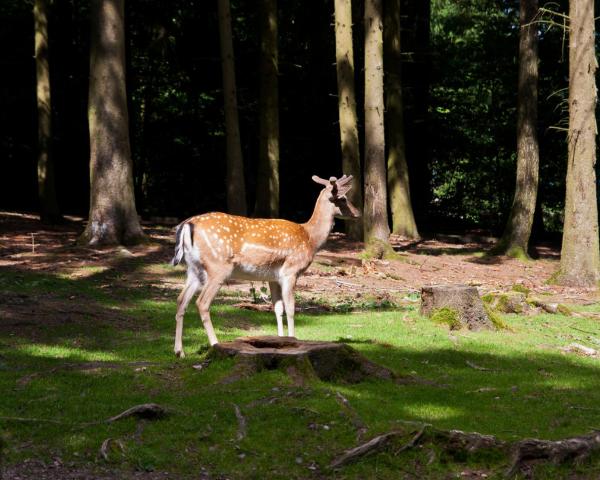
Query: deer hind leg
{"x": 192, "y": 284}
{"x": 287, "y": 293}
{"x": 211, "y": 287}
{"x": 277, "y": 305}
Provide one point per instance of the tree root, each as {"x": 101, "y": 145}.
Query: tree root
{"x": 557, "y": 451}
{"x": 459, "y": 443}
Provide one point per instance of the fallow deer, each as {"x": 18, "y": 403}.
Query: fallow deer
{"x": 218, "y": 246}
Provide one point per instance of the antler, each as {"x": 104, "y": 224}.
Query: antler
{"x": 339, "y": 187}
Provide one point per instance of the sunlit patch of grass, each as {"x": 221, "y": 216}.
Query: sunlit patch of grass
{"x": 65, "y": 352}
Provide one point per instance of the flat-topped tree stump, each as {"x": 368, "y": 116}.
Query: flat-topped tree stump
{"x": 461, "y": 303}
{"x": 301, "y": 359}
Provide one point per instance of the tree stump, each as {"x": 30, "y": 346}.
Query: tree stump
{"x": 461, "y": 302}
{"x": 303, "y": 360}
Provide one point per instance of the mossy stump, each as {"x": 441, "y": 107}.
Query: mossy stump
{"x": 462, "y": 299}
{"x": 302, "y": 360}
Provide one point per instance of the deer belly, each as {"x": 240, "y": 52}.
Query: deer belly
{"x": 265, "y": 273}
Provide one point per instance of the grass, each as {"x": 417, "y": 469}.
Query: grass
{"x": 82, "y": 369}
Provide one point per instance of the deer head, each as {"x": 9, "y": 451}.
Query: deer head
{"x": 335, "y": 192}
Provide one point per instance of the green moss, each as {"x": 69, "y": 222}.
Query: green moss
{"x": 495, "y": 318}
{"x": 519, "y": 253}
{"x": 377, "y": 248}
{"x": 564, "y": 310}
{"x": 488, "y": 298}
{"x": 517, "y": 287}
{"x": 447, "y": 316}
{"x": 553, "y": 279}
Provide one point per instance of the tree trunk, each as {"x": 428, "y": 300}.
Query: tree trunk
{"x": 267, "y": 185}
{"x": 344, "y": 56}
{"x": 580, "y": 255}
{"x": 49, "y": 211}
{"x": 236, "y": 189}
{"x": 403, "y": 219}
{"x": 113, "y": 218}
{"x": 515, "y": 239}
{"x": 376, "y": 227}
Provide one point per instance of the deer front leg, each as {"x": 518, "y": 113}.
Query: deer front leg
{"x": 192, "y": 284}
{"x": 287, "y": 292}
{"x": 277, "y": 305}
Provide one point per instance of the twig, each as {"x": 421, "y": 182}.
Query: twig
{"x": 477, "y": 367}
{"x": 241, "y": 433}
{"x": 375, "y": 444}
{"x": 145, "y": 410}
{"x": 581, "y": 329}
{"x": 413, "y": 441}
{"x": 32, "y": 420}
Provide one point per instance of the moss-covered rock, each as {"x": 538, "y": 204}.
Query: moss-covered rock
{"x": 508, "y": 302}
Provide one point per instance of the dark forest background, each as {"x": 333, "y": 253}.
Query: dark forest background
{"x": 459, "y": 78}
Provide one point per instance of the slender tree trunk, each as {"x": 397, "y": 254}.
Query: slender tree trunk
{"x": 344, "y": 55}
{"x": 267, "y": 185}
{"x": 580, "y": 255}
{"x": 403, "y": 219}
{"x": 376, "y": 226}
{"x": 49, "y": 211}
{"x": 515, "y": 240}
{"x": 113, "y": 218}
{"x": 236, "y": 186}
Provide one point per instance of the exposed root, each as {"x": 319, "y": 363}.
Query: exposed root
{"x": 376, "y": 444}
{"x": 557, "y": 452}
{"x": 456, "y": 442}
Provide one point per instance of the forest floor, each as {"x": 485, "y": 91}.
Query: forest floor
{"x": 86, "y": 333}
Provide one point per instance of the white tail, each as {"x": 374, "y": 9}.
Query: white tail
{"x": 218, "y": 246}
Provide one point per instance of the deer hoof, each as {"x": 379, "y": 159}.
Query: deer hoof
{"x": 179, "y": 354}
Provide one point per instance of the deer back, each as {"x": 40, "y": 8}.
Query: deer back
{"x": 257, "y": 248}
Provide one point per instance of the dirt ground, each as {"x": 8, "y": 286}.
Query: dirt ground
{"x": 338, "y": 274}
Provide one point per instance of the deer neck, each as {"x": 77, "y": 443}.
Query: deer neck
{"x": 321, "y": 222}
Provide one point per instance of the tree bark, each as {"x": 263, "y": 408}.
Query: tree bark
{"x": 376, "y": 226}
{"x": 344, "y": 56}
{"x": 113, "y": 218}
{"x": 580, "y": 255}
{"x": 403, "y": 219}
{"x": 49, "y": 210}
{"x": 515, "y": 239}
{"x": 236, "y": 187}
{"x": 267, "y": 185}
